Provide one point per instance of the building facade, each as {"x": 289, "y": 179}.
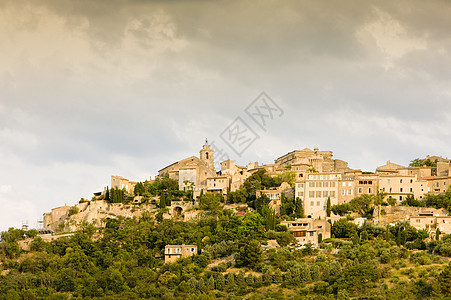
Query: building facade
{"x": 307, "y": 230}
{"x": 174, "y": 252}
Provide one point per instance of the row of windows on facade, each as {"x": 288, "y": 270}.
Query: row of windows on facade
{"x": 303, "y": 233}
{"x": 401, "y": 190}
{"x": 177, "y": 250}
{"x": 319, "y": 184}
{"x": 318, "y": 203}
{"x": 317, "y": 194}
{"x": 324, "y": 177}
{"x": 400, "y": 180}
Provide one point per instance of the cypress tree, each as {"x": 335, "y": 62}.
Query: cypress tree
{"x": 211, "y": 284}
{"x": 220, "y": 282}
{"x": 107, "y": 194}
{"x": 299, "y": 208}
{"x": 162, "y": 201}
{"x": 328, "y": 207}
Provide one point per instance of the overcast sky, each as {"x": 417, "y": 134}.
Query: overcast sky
{"x": 90, "y": 89}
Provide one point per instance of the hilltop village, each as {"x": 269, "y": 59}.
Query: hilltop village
{"x": 305, "y": 227}
{"x": 313, "y": 179}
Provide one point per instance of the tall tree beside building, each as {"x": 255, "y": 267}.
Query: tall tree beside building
{"x": 299, "y": 208}
{"x": 107, "y": 194}
{"x": 328, "y": 207}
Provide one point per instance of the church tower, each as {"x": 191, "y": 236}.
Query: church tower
{"x": 207, "y": 155}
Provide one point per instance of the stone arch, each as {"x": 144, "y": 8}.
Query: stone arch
{"x": 177, "y": 211}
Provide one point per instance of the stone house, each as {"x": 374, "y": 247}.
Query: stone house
{"x": 174, "y": 252}
{"x": 307, "y": 230}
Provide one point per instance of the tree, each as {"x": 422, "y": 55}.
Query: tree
{"x": 444, "y": 281}
{"x": 211, "y": 201}
{"x": 220, "y": 282}
{"x": 342, "y": 228}
{"x": 162, "y": 201}
{"x": 107, "y": 194}
{"x": 73, "y": 210}
{"x": 239, "y": 196}
{"x": 270, "y": 220}
{"x": 287, "y": 176}
{"x": 328, "y": 207}
{"x": 139, "y": 189}
{"x": 250, "y": 253}
{"x": 362, "y": 204}
{"x": 286, "y": 205}
{"x": 417, "y": 162}
{"x": 299, "y": 208}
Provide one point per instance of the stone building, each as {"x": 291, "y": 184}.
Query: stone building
{"x": 315, "y": 189}
{"x": 54, "y": 215}
{"x": 192, "y": 172}
{"x": 321, "y": 161}
{"x": 122, "y": 183}
{"x": 389, "y": 168}
{"x": 274, "y": 195}
{"x": 174, "y": 252}
{"x": 437, "y": 185}
{"x": 218, "y": 184}
{"x": 307, "y": 230}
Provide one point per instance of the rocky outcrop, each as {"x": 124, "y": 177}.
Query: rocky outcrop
{"x": 97, "y": 213}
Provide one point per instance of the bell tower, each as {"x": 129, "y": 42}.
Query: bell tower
{"x": 207, "y": 155}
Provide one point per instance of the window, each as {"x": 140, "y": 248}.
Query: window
{"x": 325, "y": 184}
{"x": 332, "y": 184}
{"x": 318, "y": 194}
{"x": 400, "y": 189}
{"x": 311, "y": 184}
{"x": 332, "y": 194}
{"x": 318, "y": 184}
{"x": 360, "y": 190}
{"x": 411, "y": 180}
{"x": 311, "y": 233}
{"x": 411, "y": 189}
{"x": 400, "y": 180}
{"x": 325, "y": 194}
{"x": 301, "y": 194}
{"x": 349, "y": 183}
{"x": 169, "y": 250}
{"x": 311, "y": 194}
{"x": 344, "y": 192}
{"x": 302, "y": 185}
{"x": 318, "y": 203}
{"x": 388, "y": 180}
{"x": 312, "y": 203}
{"x": 344, "y": 183}
{"x": 192, "y": 249}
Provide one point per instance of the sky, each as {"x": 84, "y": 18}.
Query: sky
{"x": 90, "y": 89}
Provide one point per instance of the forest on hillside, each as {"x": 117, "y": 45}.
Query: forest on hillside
{"x": 237, "y": 257}
{"x": 124, "y": 260}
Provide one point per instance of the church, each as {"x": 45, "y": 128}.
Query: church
{"x": 192, "y": 172}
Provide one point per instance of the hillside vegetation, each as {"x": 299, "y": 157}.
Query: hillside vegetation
{"x": 124, "y": 260}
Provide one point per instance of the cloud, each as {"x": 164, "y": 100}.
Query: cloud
{"x": 89, "y": 89}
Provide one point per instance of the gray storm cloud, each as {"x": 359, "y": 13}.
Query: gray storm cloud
{"x": 90, "y": 89}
